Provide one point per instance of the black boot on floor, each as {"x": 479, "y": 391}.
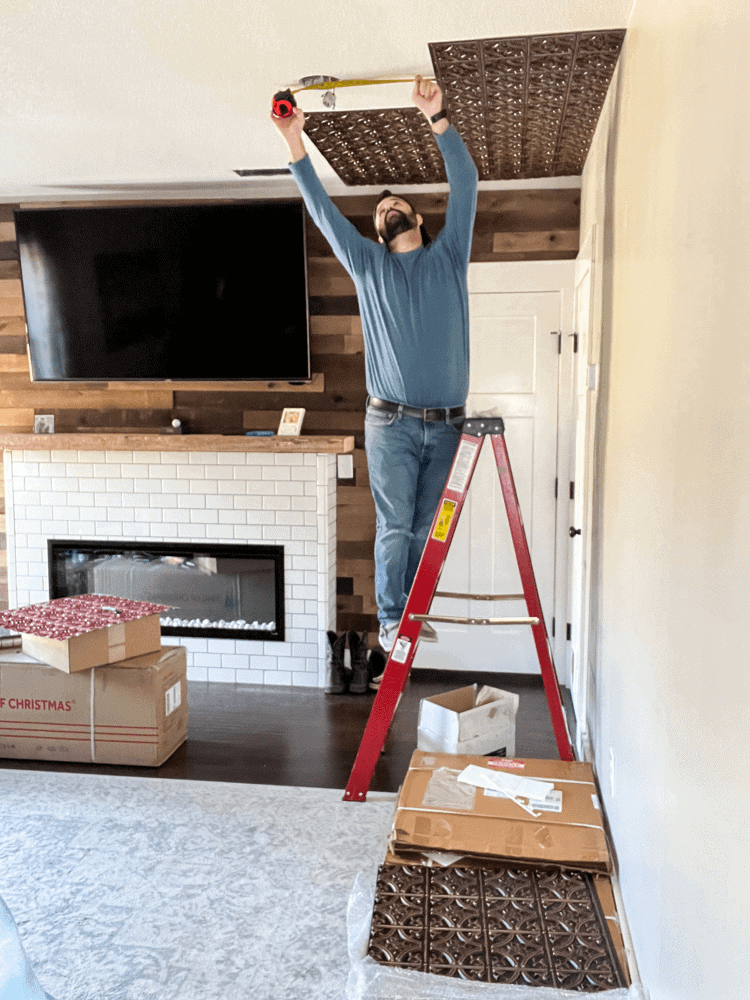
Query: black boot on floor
{"x": 376, "y": 667}
{"x": 360, "y": 669}
{"x": 339, "y": 675}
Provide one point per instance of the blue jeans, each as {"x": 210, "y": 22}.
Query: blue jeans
{"x": 408, "y": 461}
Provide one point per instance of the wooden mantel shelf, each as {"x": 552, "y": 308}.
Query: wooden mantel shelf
{"x": 98, "y": 441}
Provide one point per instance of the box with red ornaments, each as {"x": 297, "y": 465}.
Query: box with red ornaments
{"x": 89, "y": 630}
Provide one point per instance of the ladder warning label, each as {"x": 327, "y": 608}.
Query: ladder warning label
{"x": 447, "y": 510}
{"x": 400, "y": 651}
{"x": 462, "y": 466}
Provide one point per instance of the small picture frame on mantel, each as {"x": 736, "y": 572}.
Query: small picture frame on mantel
{"x": 291, "y": 420}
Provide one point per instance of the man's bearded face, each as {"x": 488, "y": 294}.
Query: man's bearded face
{"x": 394, "y": 216}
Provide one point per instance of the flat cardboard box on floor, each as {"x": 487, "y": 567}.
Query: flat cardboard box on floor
{"x": 132, "y": 712}
{"x": 436, "y": 812}
{"x": 469, "y": 720}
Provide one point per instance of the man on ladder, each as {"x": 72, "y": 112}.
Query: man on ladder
{"x": 414, "y": 307}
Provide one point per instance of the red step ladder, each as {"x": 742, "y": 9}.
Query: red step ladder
{"x": 398, "y": 665}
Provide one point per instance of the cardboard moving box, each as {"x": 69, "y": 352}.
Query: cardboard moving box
{"x": 469, "y": 720}
{"x": 437, "y": 812}
{"x": 133, "y": 712}
{"x": 89, "y": 630}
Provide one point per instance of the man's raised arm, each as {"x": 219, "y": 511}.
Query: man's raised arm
{"x": 460, "y": 169}
{"x": 347, "y": 244}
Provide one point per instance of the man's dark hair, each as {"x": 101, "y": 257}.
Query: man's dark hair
{"x": 426, "y": 238}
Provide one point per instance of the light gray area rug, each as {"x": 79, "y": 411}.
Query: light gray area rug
{"x": 136, "y": 888}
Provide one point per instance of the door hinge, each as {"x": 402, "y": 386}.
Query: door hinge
{"x": 575, "y": 342}
{"x": 553, "y": 628}
{"x": 557, "y": 481}
{"x": 558, "y": 334}
{"x": 572, "y": 493}
{"x": 568, "y": 631}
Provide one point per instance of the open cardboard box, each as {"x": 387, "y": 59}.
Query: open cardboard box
{"x": 469, "y": 720}
{"x": 436, "y": 812}
{"x": 132, "y": 712}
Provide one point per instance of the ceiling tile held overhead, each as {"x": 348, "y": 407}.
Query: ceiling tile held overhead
{"x": 388, "y": 146}
{"x": 526, "y": 107}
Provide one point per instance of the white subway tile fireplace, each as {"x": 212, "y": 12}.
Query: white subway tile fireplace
{"x": 235, "y": 497}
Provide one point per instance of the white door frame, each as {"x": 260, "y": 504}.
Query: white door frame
{"x": 548, "y": 276}
{"x": 583, "y": 456}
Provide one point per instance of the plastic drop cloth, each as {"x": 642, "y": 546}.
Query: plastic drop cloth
{"x": 17, "y": 979}
{"x": 370, "y": 981}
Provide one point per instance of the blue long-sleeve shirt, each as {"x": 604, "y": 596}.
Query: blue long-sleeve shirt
{"x": 414, "y": 306}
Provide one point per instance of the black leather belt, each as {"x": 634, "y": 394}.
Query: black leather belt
{"x": 430, "y": 413}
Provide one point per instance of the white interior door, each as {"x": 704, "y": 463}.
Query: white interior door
{"x": 516, "y": 314}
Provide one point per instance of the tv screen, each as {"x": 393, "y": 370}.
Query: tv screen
{"x": 190, "y": 292}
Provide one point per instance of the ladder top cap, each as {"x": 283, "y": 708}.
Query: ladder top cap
{"x": 480, "y": 426}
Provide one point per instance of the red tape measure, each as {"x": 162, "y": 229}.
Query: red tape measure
{"x": 284, "y": 104}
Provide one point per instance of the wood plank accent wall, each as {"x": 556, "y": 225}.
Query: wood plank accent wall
{"x": 527, "y": 224}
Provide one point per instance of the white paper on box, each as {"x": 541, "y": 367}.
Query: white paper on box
{"x": 502, "y": 781}
{"x": 173, "y": 698}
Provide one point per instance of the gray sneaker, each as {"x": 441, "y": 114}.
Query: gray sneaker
{"x": 389, "y": 631}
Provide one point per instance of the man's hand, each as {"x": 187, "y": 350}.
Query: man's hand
{"x": 291, "y": 131}
{"x": 428, "y": 97}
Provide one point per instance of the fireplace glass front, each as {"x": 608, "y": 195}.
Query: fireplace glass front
{"x": 217, "y": 591}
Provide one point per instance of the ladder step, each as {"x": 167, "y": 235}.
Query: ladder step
{"x": 474, "y": 621}
{"x": 480, "y": 597}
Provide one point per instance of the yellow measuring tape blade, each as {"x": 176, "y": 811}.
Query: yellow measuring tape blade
{"x": 331, "y": 84}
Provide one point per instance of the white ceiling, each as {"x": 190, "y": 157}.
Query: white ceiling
{"x": 97, "y": 95}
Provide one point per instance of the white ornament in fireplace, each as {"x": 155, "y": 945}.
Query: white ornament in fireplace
{"x": 232, "y": 497}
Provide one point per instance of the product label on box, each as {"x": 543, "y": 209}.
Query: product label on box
{"x": 173, "y": 698}
{"x": 552, "y": 803}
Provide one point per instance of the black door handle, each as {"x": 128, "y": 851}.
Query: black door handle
{"x": 574, "y": 531}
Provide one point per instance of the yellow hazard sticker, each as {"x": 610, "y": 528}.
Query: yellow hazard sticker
{"x": 447, "y": 510}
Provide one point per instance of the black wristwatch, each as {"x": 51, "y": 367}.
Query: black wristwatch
{"x": 441, "y": 114}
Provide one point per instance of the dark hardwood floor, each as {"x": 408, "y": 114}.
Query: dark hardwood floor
{"x": 300, "y": 736}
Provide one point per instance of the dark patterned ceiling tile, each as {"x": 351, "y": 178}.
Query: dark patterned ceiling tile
{"x": 389, "y": 146}
{"x": 526, "y": 107}
{"x": 522, "y": 926}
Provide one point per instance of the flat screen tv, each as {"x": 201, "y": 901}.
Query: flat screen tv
{"x": 191, "y": 292}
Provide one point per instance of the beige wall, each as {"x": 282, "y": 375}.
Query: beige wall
{"x": 668, "y": 184}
